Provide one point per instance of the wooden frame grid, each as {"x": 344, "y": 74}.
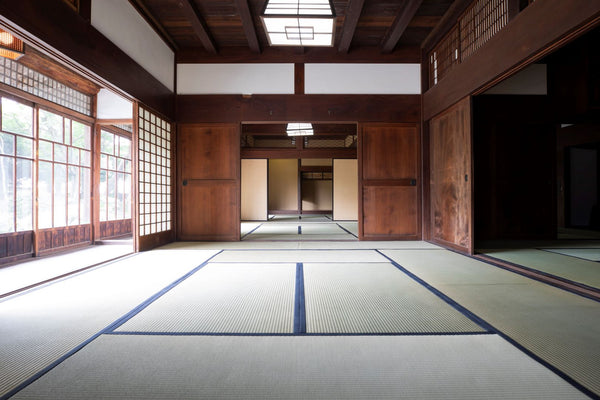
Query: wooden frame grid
{"x": 154, "y": 173}
{"x": 479, "y": 23}
{"x": 30, "y": 81}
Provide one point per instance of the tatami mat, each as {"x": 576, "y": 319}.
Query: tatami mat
{"x": 40, "y": 326}
{"x": 225, "y": 298}
{"x": 559, "y": 327}
{"x": 418, "y": 367}
{"x": 586, "y": 254}
{"x": 342, "y": 245}
{"x": 564, "y": 266}
{"x": 298, "y": 256}
{"x": 375, "y": 298}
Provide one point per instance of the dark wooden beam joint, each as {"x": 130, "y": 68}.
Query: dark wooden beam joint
{"x": 198, "y": 25}
{"x": 298, "y": 78}
{"x": 351, "y": 20}
{"x": 248, "y": 25}
{"x": 400, "y": 24}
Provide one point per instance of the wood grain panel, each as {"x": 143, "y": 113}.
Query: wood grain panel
{"x": 55, "y": 239}
{"x": 307, "y": 107}
{"x": 118, "y": 228}
{"x": 450, "y": 177}
{"x": 399, "y": 158}
{"x": 390, "y": 212}
{"x": 206, "y": 151}
{"x": 209, "y": 211}
{"x": 208, "y": 182}
{"x": 14, "y": 246}
{"x": 389, "y": 204}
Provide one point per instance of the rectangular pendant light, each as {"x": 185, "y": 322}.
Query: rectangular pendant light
{"x": 10, "y": 46}
{"x": 299, "y": 22}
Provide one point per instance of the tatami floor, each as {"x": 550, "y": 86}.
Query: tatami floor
{"x": 281, "y": 316}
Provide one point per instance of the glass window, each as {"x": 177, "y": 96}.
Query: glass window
{"x": 24, "y": 195}
{"x": 7, "y": 201}
{"x": 51, "y": 126}
{"x": 60, "y": 195}
{"x": 16, "y": 117}
{"x": 115, "y": 180}
{"x": 45, "y": 195}
{"x": 82, "y": 136}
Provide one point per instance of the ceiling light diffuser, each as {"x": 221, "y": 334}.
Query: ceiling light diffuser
{"x": 299, "y": 22}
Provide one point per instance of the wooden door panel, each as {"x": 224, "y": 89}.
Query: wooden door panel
{"x": 389, "y": 182}
{"x": 390, "y": 211}
{"x": 450, "y": 177}
{"x": 390, "y": 152}
{"x": 209, "y": 151}
{"x": 207, "y": 215}
{"x": 209, "y": 182}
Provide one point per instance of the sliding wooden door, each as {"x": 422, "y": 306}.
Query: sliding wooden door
{"x": 209, "y": 182}
{"x": 451, "y": 177}
{"x": 389, "y": 182}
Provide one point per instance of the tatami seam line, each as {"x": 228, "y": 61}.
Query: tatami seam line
{"x": 110, "y": 328}
{"x": 152, "y": 333}
{"x": 486, "y": 325}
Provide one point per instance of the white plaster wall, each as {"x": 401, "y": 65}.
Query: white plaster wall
{"x": 113, "y": 106}
{"x": 235, "y": 78}
{"x": 125, "y": 27}
{"x": 362, "y": 78}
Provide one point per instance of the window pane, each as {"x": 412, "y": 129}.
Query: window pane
{"x": 73, "y": 195}
{"x": 60, "y": 153}
{"x": 112, "y": 163}
{"x": 51, "y": 126}
{"x": 84, "y": 196}
{"x": 73, "y": 155}
{"x": 45, "y": 149}
{"x": 125, "y": 148}
{"x": 67, "y": 131}
{"x": 45, "y": 195}
{"x": 127, "y": 197}
{"x": 7, "y": 201}
{"x": 60, "y": 195}
{"x": 107, "y": 144}
{"x": 128, "y": 166}
{"x": 120, "y": 164}
{"x": 17, "y": 117}
{"x": 24, "y": 147}
{"x": 103, "y": 161}
{"x": 103, "y": 194}
{"x": 85, "y": 158}
{"x": 7, "y": 144}
{"x": 81, "y": 135}
{"x": 112, "y": 195}
{"x": 120, "y": 196}
{"x": 24, "y": 195}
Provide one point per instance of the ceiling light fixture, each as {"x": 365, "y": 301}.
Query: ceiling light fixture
{"x": 10, "y": 46}
{"x": 299, "y": 129}
{"x": 299, "y": 22}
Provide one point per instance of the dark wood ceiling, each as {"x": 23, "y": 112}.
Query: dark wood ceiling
{"x": 217, "y": 29}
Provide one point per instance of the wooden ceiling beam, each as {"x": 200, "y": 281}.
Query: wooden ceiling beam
{"x": 350, "y": 21}
{"x": 248, "y": 25}
{"x": 390, "y": 40}
{"x": 198, "y": 25}
{"x": 154, "y": 23}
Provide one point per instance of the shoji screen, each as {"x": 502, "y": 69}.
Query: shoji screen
{"x": 155, "y": 195}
